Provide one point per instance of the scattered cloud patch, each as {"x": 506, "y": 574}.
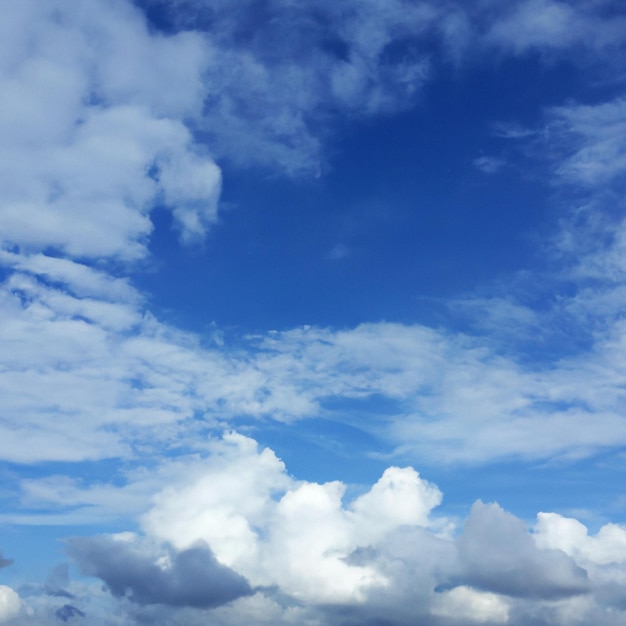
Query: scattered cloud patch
{"x": 5, "y": 562}
{"x": 489, "y": 164}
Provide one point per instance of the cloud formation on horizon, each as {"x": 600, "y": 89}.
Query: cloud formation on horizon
{"x": 235, "y": 529}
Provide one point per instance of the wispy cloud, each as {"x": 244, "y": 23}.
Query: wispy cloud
{"x": 489, "y": 164}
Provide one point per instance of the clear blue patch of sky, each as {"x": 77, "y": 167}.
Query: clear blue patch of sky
{"x": 584, "y": 489}
{"x": 400, "y": 216}
{"x": 322, "y": 450}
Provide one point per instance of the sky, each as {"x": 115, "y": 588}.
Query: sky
{"x": 312, "y": 312}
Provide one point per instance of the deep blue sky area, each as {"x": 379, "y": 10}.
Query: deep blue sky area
{"x": 399, "y": 219}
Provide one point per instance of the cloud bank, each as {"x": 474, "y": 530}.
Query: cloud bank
{"x": 235, "y": 532}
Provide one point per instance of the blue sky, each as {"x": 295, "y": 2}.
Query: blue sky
{"x": 312, "y": 312}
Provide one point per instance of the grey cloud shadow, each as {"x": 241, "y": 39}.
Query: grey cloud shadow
{"x": 192, "y": 578}
{"x": 497, "y": 554}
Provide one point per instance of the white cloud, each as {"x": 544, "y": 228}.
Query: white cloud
{"x": 10, "y": 603}
{"x": 571, "y": 536}
{"x": 224, "y": 502}
{"x": 79, "y": 279}
{"x": 275, "y": 530}
{"x": 551, "y": 25}
{"x": 489, "y": 164}
{"x": 131, "y": 378}
{"x": 322, "y": 560}
{"x": 592, "y": 139}
{"x": 399, "y": 497}
{"x": 466, "y": 604}
{"x": 85, "y": 164}
{"x": 298, "y": 63}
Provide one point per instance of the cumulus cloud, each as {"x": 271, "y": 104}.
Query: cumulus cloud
{"x": 296, "y": 536}
{"x": 85, "y": 168}
{"x": 190, "y": 577}
{"x": 572, "y": 537}
{"x": 499, "y": 555}
{"x": 310, "y": 556}
{"x": 10, "y": 603}
{"x": 467, "y": 604}
{"x": 275, "y": 530}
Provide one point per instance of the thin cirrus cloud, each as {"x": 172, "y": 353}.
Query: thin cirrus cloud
{"x": 132, "y": 377}
{"x": 136, "y": 116}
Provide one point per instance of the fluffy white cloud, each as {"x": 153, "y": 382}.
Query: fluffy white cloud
{"x": 10, "y": 603}
{"x": 466, "y": 604}
{"x": 311, "y": 557}
{"x": 85, "y": 164}
{"x": 571, "y": 536}
{"x": 275, "y": 530}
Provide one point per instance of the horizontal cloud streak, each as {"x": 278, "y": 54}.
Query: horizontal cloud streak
{"x": 128, "y": 376}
